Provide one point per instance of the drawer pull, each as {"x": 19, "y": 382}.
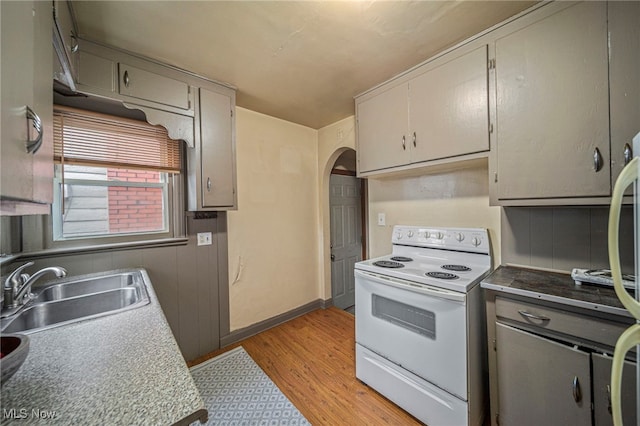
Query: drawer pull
{"x": 534, "y": 317}
{"x": 577, "y": 395}
{"x": 404, "y": 146}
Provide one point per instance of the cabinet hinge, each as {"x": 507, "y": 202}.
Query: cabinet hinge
{"x": 494, "y": 345}
{"x": 492, "y": 64}
{"x": 495, "y": 179}
{"x": 231, "y": 113}
{"x": 490, "y": 128}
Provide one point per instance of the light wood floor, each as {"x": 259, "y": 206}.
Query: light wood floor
{"x": 312, "y": 360}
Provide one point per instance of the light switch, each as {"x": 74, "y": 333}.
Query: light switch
{"x": 204, "y": 238}
{"x": 382, "y": 219}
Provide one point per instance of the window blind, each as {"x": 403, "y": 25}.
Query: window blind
{"x": 93, "y": 139}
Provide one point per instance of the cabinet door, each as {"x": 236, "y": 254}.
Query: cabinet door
{"x": 150, "y": 86}
{"x": 217, "y": 154}
{"x": 43, "y": 103}
{"x": 624, "y": 36}
{"x": 66, "y": 33}
{"x": 552, "y": 106}
{"x": 383, "y": 140}
{"x": 541, "y": 382}
{"x": 449, "y": 108}
{"x": 602, "y": 395}
{"x": 17, "y": 76}
{"x": 26, "y": 82}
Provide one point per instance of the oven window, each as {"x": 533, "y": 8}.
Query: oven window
{"x": 414, "y": 319}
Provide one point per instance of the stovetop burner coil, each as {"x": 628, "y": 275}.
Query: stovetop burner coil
{"x": 456, "y": 268}
{"x": 402, "y": 259}
{"x": 388, "y": 264}
{"x": 442, "y": 275}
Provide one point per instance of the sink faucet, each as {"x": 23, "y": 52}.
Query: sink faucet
{"x": 18, "y": 284}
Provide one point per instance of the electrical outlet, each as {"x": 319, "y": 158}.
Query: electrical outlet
{"x": 204, "y": 238}
{"x": 382, "y": 219}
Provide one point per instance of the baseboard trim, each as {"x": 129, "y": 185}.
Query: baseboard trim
{"x": 241, "y": 334}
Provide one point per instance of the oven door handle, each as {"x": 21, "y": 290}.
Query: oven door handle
{"x": 416, "y": 288}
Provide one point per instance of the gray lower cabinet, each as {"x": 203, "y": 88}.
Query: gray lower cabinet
{"x": 551, "y": 365}
{"x": 541, "y": 382}
{"x": 602, "y": 391}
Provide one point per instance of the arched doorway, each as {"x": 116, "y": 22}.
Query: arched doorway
{"x": 347, "y": 231}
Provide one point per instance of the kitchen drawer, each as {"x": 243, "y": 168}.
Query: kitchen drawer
{"x": 544, "y": 318}
{"x": 153, "y": 87}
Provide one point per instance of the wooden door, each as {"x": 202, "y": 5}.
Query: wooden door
{"x": 346, "y": 237}
{"x": 449, "y": 108}
{"x": 383, "y": 139}
{"x": 217, "y": 150}
{"x": 536, "y": 381}
{"x": 552, "y": 106}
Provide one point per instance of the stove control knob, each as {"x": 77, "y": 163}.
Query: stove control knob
{"x": 475, "y": 241}
{"x": 459, "y": 236}
{"x": 439, "y": 235}
{"x": 410, "y": 234}
{"x": 399, "y": 235}
{"x": 427, "y": 234}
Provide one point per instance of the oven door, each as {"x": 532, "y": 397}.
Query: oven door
{"x": 422, "y": 329}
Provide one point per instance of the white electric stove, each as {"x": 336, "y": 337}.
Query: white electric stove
{"x": 419, "y": 322}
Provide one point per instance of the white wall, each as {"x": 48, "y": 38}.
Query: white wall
{"x": 333, "y": 140}
{"x": 457, "y": 198}
{"x": 273, "y": 240}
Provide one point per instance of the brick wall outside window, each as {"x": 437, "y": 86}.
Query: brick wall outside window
{"x": 134, "y": 209}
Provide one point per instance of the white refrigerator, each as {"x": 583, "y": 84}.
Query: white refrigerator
{"x": 631, "y": 337}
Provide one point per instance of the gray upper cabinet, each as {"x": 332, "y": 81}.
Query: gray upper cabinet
{"x": 624, "y": 85}
{"x": 65, "y": 43}
{"x": 567, "y": 103}
{"x": 26, "y": 134}
{"x": 552, "y": 118}
{"x": 141, "y": 84}
{"x": 212, "y": 164}
{"x": 438, "y": 112}
{"x": 383, "y": 130}
{"x": 196, "y": 110}
{"x": 449, "y": 108}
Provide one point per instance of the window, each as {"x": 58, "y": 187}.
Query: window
{"x": 115, "y": 177}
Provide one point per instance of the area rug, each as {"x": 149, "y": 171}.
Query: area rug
{"x": 236, "y": 391}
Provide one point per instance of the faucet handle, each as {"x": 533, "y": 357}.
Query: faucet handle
{"x": 17, "y": 277}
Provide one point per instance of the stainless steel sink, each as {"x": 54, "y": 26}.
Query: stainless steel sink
{"x": 78, "y": 298}
{"x": 81, "y": 286}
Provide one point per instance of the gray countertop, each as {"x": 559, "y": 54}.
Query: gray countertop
{"x": 554, "y": 287}
{"x": 121, "y": 369}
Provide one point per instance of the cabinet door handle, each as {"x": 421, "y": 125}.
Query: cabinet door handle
{"x": 533, "y": 316}
{"x": 597, "y": 160}
{"x": 414, "y": 139}
{"x": 628, "y": 153}
{"x": 74, "y": 46}
{"x": 404, "y": 146}
{"x": 125, "y": 78}
{"x": 577, "y": 395}
{"x": 34, "y": 144}
{"x": 209, "y": 184}
{"x": 609, "y": 409}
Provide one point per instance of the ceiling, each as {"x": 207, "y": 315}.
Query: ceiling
{"x": 301, "y": 61}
